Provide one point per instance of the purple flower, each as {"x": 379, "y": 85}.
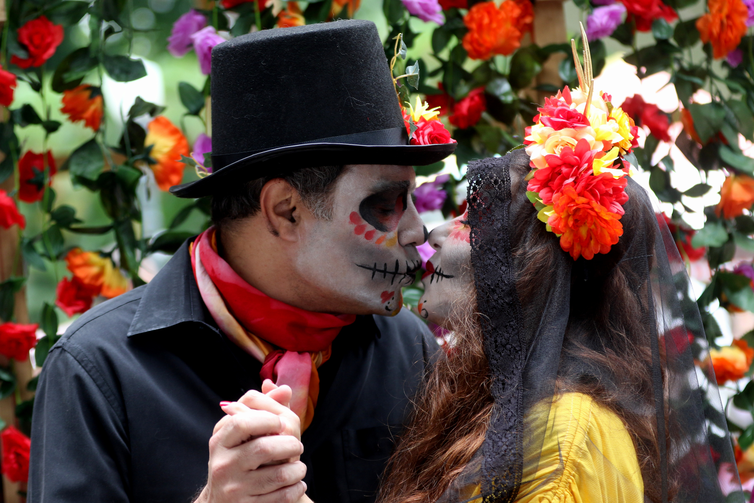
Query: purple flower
{"x": 603, "y": 2}
{"x": 426, "y": 10}
{"x": 179, "y": 41}
{"x": 745, "y": 269}
{"x": 425, "y": 252}
{"x": 204, "y": 40}
{"x": 735, "y": 57}
{"x": 603, "y": 21}
{"x": 202, "y": 145}
{"x": 750, "y": 5}
{"x": 430, "y": 196}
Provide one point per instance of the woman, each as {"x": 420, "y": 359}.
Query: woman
{"x": 571, "y": 374}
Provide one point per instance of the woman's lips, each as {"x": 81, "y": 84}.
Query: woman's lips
{"x": 429, "y": 269}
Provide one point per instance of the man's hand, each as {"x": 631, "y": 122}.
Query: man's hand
{"x": 254, "y": 454}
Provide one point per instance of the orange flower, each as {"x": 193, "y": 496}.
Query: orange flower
{"x": 526, "y": 17}
{"x": 494, "y": 30}
{"x": 736, "y": 196}
{"x": 688, "y": 125}
{"x": 723, "y": 26}
{"x": 168, "y": 145}
{"x": 338, "y": 5}
{"x": 292, "y": 16}
{"x": 586, "y": 228}
{"x": 83, "y": 103}
{"x": 96, "y": 272}
{"x": 731, "y": 362}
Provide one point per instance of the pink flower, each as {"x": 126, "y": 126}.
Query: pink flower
{"x": 426, "y": 10}
{"x": 750, "y": 19}
{"x": 735, "y": 57}
{"x": 202, "y": 145}
{"x": 204, "y": 40}
{"x": 179, "y": 41}
{"x": 430, "y": 196}
{"x": 603, "y": 21}
{"x": 425, "y": 252}
{"x": 564, "y": 117}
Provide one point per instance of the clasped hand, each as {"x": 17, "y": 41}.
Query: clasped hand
{"x": 254, "y": 451}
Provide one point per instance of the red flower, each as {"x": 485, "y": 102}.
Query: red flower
{"x": 564, "y": 117}
{"x": 73, "y": 296}
{"x": 7, "y": 84}
{"x": 458, "y": 4}
{"x": 526, "y": 17}
{"x": 644, "y": 12}
{"x": 16, "y": 447}
{"x": 430, "y": 133}
{"x": 30, "y": 175}
{"x": 649, "y": 115}
{"x": 723, "y": 26}
{"x": 468, "y": 111}
{"x": 16, "y": 340}
{"x": 683, "y": 237}
{"x": 492, "y": 29}
{"x": 229, "y": 4}
{"x": 9, "y": 215}
{"x": 40, "y": 38}
{"x": 83, "y": 103}
{"x": 443, "y": 100}
{"x": 561, "y": 170}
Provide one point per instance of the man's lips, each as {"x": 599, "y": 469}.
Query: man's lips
{"x": 394, "y": 272}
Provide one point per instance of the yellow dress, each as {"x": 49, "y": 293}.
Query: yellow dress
{"x": 587, "y": 457}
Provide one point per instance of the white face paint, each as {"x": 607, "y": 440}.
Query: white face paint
{"x": 364, "y": 255}
{"x": 449, "y": 275}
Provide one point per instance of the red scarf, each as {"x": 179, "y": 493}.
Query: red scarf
{"x": 290, "y": 342}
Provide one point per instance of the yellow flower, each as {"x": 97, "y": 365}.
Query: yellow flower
{"x": 602, "y": 164}
{"x": 422, "y": 111}
{"x": 625, "y": 124}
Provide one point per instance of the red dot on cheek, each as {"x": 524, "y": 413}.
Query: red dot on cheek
{"x": 355, "y": 218}
{"x": 369, "y": 235}
{"x": 359, "y": 230}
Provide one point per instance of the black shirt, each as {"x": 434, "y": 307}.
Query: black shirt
{"x": 130, "y": 394}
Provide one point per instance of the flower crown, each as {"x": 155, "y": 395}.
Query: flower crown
{"x": 578, "y": 176}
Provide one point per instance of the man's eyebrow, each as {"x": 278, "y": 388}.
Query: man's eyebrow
{"x": 386, "y": 186}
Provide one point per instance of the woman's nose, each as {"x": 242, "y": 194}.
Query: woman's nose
{"x": 439, "y": 234}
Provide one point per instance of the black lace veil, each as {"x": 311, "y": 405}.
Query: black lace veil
{"x": 536, "y": 337}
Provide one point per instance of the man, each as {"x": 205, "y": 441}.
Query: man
{"x": 315, "y": 232}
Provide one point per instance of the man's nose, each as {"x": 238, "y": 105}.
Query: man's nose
{"x": 411, "y": 230}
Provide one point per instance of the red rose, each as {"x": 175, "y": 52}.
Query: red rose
{"x": 564, "y": 117}
{"x": 443, "y": 100}
{"x": 7, "y": 84}
{"x": 633, "y": 106}
{"x": 643, "y": 12}
{"x": 468, "y": 111}
{"x": 30, "y": 180}
{"x": 41, "y": 38}
{"x": 430, "y": 133}
{"x": 657, "y": 122}
{"x": 16, "y": 447}
{"x": 73, "y": 296}
{"x": 16, "y": 340}
{"x": 9, "y": 215}
{"x": 229, "y": 4}
{"x": 458, "y": 4}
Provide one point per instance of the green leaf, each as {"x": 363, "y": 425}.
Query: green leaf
{"x": 440, "y": 38}
{"x": 745, "y": 399}
{"x": 624, "y": 34}
{"x": 91, "y": 230}
{"x": 64, "y": 216}
{"x": 191, "y": 98}
{"x": 33, "y": 382}
{"x": 403, "y": 49}
{"x": 698, "y": 190}
{"x": 744, "y": 117}
{"x": 412, "y": 75}
{"x": 525, "y": 65}
{"x": 42, "y": 349}
{"x": 72, "y": 70}
{"x": 50, "y": 126}
{"x": 567, "y": 71}
{"x": 169, "y": 242}
{"x": 712, "y": 234}
{"x": 429, "y": 169}
{"x": 685, "y": 34}
{"x": 31, "y": 255}
{"x": 737, "y": 497}
{"x": 7, "y": 383}
{"x": 746, "y": 438}
{"x": 743, "y": 242}
{"x": 67, "y": 13}
{"x": 141, "y": 107}
{"x": 745, "y": 224}
{"x": 501, "y": 89}
{"x": 124, "y": 69}
{"x": 87, "y": 161}
{"x": 736, "y": 160}
{"x": 492, "y": 138}
{"x": 411, "y": 295}
{"x": 53, "y": 238}
{"x": 708, "y": 119}
{"x": 393, "y": 10}
{"x": 661, "y": 29}
{"x": 8, "y": 289}
{"x": 49, "y": 322}
{"x": 26, "y": 115}
{"x": 48, "y": 199}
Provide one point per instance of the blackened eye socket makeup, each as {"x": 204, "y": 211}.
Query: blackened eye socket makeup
{"x": 384, "y": 209}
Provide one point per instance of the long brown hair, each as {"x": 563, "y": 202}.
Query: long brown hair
{"x": 606, "y": 331}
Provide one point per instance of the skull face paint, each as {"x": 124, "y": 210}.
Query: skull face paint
{"x": 448, "y": 275}
{"x": 366, "y": 253}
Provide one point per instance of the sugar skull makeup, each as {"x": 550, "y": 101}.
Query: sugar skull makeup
{"x": 366, "y": 253}
{"x": 448, "y": 275}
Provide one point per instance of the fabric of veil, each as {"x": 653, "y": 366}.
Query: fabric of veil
{"x": 524, "y": 347}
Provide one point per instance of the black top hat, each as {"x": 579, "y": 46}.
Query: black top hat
{"x": 308, "y": 96}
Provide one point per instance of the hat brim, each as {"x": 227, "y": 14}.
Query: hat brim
{"x": 284, "y": 160}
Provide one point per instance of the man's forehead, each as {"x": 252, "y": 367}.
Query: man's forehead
{"x": 378, "y": 177}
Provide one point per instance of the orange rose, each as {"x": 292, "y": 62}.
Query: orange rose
{"x": 96, "y": 272}
{"x": 493, "y": 30}
{"x": 723, "y": 26}
{"x": 292, "y": 16}
{"x": 338, "y": 5}
{"x": 526, "y": 17}
{"x": 168, "y": 145}
{"x": 83, "y": 103}
{"x": 736, "y": 196}
{"x": 731, "y": 362}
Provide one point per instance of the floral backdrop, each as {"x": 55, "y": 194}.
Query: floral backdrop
{"x": 81, "y": 205}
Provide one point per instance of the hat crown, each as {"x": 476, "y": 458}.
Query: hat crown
{"x": 292, "y": 85}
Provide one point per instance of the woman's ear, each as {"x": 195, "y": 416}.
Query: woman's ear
{"x": 280, "y": 205}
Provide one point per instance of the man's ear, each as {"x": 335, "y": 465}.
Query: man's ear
{"x": 280, "y": 206}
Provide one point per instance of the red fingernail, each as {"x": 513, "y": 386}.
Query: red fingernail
{"x": 225, "y": 404}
